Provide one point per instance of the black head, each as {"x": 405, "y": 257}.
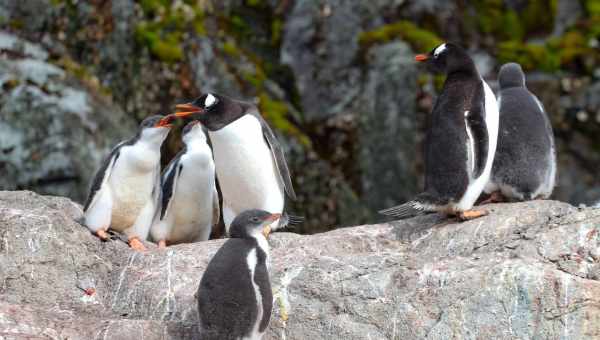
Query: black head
{"x": 251, "y": 223}
{"x": 511, "y": 75}
{"x": 214, "y": 111}
{"x": 447, "y": 58}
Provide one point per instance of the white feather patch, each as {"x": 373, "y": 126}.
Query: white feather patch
{"x": 252, "y": 261}
{"x": 439, "y": 50}
{"x": 210, "y": 100}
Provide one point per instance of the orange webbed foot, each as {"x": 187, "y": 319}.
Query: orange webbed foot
{"x": 137, "y": 245}
{"x": 471, "y": 214}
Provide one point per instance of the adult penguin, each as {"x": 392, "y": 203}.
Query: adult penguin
{"x": 125, "y": 190}
{"x": 234, "y": 296}
{"x": 249, "y": 161}
{"x": 460, "y": 141}
{"x": 525, "y": 163}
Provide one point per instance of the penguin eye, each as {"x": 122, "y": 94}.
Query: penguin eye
{"x": 255, "y": 220}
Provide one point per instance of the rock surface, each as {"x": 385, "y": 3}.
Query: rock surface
{"x": 526, "y": 271}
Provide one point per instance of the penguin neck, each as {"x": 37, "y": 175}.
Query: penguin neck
{"x": 465, "y": 71}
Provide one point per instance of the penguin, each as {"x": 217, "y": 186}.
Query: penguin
{"x": 189, "y": 203}
{"x": 234, "y": 296}
{"x": 525, "y": 163}
{"x": 460, "y": 140}
{"x": 250, "y": 163}
{"x": 125, "y": 190}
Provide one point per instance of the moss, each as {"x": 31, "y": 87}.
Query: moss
{"x": 530, "y": 56}
{"x": 276, "y": 31}
{"x": 592, "y": 7}
{"x": 419, "y": 39}
{"x": 82, "y": 73}
{"x": 276, "y": 112}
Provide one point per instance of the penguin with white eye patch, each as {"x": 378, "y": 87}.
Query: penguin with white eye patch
{"x": 249, "y": 161}
{"x": 525, "y": 163}
{"x": 189, "y": 204}
{"x": 234, "y": 297}
{"x": 460, "y": 140}
{"x": 125, "y": 190}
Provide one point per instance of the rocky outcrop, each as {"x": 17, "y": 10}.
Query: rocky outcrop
{"x": 54, "y": 129}
{"x": 526, "y": 271}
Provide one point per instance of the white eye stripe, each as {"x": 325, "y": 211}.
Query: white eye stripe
{"x": 439, "y": 50}
{"x": 210, "y": 100}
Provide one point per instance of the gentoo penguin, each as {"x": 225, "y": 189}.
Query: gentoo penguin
{"x": 525, "y": 163}
{"x": 125, "y": 190}
{"x": 460, "y": 140}
{"x": 250, "y": 164}
{"x": 234, "y": 296}
{"x": 189, "y": 203}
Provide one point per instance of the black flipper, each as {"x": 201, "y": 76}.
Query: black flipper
{"x": 169, "y": 182}
{"x": 278, "y": 155}
{"x": 103, "y": 171}
{"x": 475, "y": 119}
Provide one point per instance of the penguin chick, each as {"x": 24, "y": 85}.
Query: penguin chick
{"x": 460, "y": 140}
{"x": 125, "y": 190}
{"x": 525, "y": 163}
{"x": 249, "y": 161}
{"x": 189, "y": 204}
{"x": 234, "y": 296}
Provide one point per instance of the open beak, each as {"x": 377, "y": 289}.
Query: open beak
{"x": 165, "y": 122}
{"x": 267, "y": 229}
{"x": 185, "y": 110}
{"x": 421, "y": 57}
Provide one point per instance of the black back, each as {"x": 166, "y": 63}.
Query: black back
{"x": 525, "y": 138}
{"x": 226, "y": 298}
{"x": 446, "y": 173}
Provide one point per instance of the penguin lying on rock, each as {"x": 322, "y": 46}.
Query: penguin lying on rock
{"x": 125, "y": 190}
{"x": 189, "y": 204}
{"x": 234, "y": 296}
{"x": 460, "y": 140}
{"x": 250, "y": 163}
{"x": 525, "y": 163}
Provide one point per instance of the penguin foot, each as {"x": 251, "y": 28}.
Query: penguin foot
{"x": 495, "y": 197}
{"x": 162, "y": 244}
{"x": 137, "y": 245}
{"x": 102, "y": 234}
{"x": 471, "y": 214}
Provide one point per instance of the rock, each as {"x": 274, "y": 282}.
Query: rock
{"x": 527, "y": 270}
{"x": 54, "y": 130}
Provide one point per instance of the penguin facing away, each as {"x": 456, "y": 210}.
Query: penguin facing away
{"x": 125, "y": 190}
{"x": 189, "y": 203}
{"x": 234, "y": 296}
{"x": 525, "y": 163}
{"x": 460, "y": 140}
{"x": 250, "y": 163}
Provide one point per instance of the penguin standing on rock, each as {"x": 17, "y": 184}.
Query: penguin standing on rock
{"x": 525, "y": 163}
{"x": 189, "y": 204}
{"x": 125, "y": 190}
{"x": 234, "y": 296}
{"x": 460, "y": 140}
{"x": 250, "y": 163}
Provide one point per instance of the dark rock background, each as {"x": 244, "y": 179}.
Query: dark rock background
{"x": 335, "y": 78}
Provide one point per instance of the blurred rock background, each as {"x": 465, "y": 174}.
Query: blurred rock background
{"x": 335, "y": 78}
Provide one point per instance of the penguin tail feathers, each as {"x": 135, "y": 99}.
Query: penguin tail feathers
{"x": 290, "y": 222}
{"x": 406, "y": 210}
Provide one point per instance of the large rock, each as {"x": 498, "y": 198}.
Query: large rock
{"x": 54, "y": 129}
{"x": 526, "y": 271}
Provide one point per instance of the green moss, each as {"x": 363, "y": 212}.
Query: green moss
{"x": 419, "y": 39}
{"x": 82, "y": 73}
{"x": 276, "y": 31}
{"x": 592, "y": 7}
{"x": 530, "y": 56}
{"x": 276, "y": 113}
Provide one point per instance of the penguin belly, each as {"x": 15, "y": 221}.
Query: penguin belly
{"x": 245, "y": 167}
{"x": 192, "y": 205}
{"x": 476, "y": 185}
{"x": 131, "y": 182}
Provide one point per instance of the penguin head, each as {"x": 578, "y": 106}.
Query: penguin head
{"x": 193, "y": 132}
{"x": 511, "y": 75}
{"x": 252, "y": 224}
{"x": 446, "y": 58}
{"x": 155, "y": 128}
{"x": 214, "y": 111}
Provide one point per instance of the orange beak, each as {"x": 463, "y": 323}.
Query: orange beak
{"x": 165, "y": 122}
{"x": 187, "y": 109}
{"x": 421, "y": 57}
{"x": 267, "y": 229}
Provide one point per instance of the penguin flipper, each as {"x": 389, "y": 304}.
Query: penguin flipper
{"x": 216, "y": 207}
{"x": 168, "y": 184}
{"x": 406, "y": 210}
{"x": 475, "y": 123}
{"x": 102, "y": 175}
{"x": 278, "y": 156}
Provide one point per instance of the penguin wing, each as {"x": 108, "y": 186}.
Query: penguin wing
{"x": 103, "y": 174}
{"x": 477, "y": 131}
{"x": 168, "y": 183}
{"x": 278, "y": 155}
{"x": 216, "y": 207}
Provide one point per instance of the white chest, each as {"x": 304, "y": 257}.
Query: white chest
{"x": 245, "y": 167}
